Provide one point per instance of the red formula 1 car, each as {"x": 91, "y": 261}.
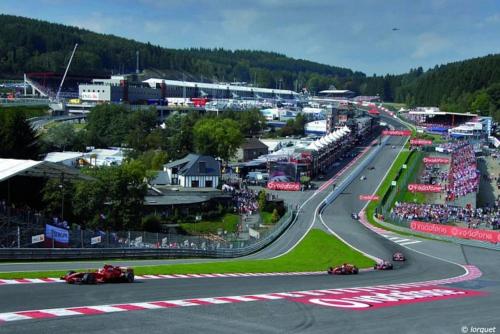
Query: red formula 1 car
{"x": 384, "y": 265}
{"x": 106, "y": 274}
{"x": 345, "y": 269}
{"x": 398, "y": 257}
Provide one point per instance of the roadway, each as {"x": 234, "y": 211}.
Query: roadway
{"x": 284, "y": 315}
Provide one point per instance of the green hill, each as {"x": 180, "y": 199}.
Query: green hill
{"x": 29, "y": 45}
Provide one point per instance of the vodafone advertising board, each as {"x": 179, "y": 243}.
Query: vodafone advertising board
{"x": 456, "y": 232}
{"x": 420, "y": 142}
{"x": 368, "y": 197}
{"x": 402, "y": 133}
{"x": 424, "y": 188}
{"x": 287, "y": 186}
{"x": 436, "y": 161}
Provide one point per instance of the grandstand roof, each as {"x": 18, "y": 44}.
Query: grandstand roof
{"x": 427, "y": 112}
{"x": 336, "y": 91}
{"x": 16, "y": 167}
{"x": 153, "y": 81}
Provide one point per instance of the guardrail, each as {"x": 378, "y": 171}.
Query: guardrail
{"x": 24, "y": 102}
{"x": 138, "y": 253}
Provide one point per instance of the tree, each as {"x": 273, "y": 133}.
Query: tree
{"x": 18, "y": 140}
{"x": 481, "y": 103}
{"x": 107, "y": 125}
{"x": 217, "y": 138}
{"x": 261, "y": 200}
{"x": 251, "y": 122}
{"x": 275, "y": 217}
{"x": 61, "y": 136}
{"x": 141, "y": 124}
{"x": 114, "y": 199}
{"x": 58, "y": 198}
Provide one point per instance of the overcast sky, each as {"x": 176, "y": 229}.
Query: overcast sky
{"x": 357, "y": 34}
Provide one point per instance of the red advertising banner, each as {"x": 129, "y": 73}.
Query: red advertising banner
{"x": 288, "y": 186}
{"x": 436, "y": 161}
{"x": 368, "y": 197}
{"x": 420, "y": 142}
{"x": 424, "y": 188}
{"x": 456, "y": 232}
{"x": 396, "y": 133}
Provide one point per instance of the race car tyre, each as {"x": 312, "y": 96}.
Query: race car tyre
{"x": 71, "y": 272}
{"x": 130, "y": 277}
{"x": 89, "y": 278}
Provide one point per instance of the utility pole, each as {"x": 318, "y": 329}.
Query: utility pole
{"x": 137, "y": 62}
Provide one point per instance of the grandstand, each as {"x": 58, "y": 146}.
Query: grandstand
{"x": 433, "y": 120}
{"x": 46, "y": 83}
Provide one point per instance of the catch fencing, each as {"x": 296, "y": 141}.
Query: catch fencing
{"x": 33, "y": 242}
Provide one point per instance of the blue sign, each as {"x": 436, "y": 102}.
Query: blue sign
{"x": 58, "y": 234}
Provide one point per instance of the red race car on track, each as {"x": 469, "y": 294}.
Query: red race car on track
{"x": 398, "y": 257}
{"x": 384, "y": 265}
{"x": 345, "y": 269}
{"x": 106, "y": 274}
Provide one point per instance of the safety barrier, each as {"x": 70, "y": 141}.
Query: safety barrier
{"x": 135, "y": 252}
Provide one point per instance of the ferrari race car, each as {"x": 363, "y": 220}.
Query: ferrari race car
{"x": 398, "y": 257}
{"x": 345, "y": 269}
{"x": 106, "y": 274}
{"x": 384, "y": 265}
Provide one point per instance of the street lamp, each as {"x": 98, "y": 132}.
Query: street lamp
{"x": 61, "y": 186}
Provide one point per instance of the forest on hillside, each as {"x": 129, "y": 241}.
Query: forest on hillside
{"x": 29, "y": 45}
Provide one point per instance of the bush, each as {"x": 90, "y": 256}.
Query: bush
{"x": 261, "y": 199}
{"x": 151, "y": 223}
{"x": 275, "y": 216}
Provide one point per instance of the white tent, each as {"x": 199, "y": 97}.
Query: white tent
{"x": 13, "y": 167}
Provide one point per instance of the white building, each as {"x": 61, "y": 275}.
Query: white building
{"x": 194, "y": 171}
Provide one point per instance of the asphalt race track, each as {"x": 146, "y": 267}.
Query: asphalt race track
{"x": 475, "y": 305}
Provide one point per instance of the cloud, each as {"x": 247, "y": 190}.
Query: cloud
{"x": 239, "y": 20}
{"x": 429, "y": 44}
{"x": 493, "y": 19}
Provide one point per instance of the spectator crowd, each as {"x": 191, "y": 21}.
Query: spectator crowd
{"x": 463, "y": 177}
{"x": 244, "y": 199}
{"x": 488, "y": 217}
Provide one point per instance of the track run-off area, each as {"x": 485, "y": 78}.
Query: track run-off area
{"x": 441, "y": 288}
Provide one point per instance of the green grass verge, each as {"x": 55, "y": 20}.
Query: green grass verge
{"x": 316, "y": 252}
{"x": 228, "y": 223}
{"x": 384, "y": 187}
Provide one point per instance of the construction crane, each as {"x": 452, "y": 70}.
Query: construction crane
{"x": 56, "y": 104}
{"x": 66, "y": 72}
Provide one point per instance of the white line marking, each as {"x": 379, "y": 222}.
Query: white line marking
{"x": 410, "y": 243}
{"x": 105, "y": 308}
